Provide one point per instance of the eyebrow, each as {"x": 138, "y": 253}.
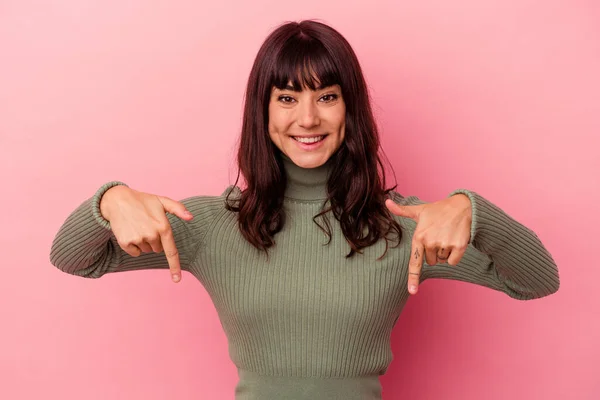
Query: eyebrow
{"x": 290, "y": 87}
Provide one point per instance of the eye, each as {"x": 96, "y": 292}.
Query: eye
{"x": 286, "y": 99}
{"x": 329, "y": 97}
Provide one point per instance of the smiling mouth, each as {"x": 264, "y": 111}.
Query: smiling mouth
{"x": 309, "y": 140}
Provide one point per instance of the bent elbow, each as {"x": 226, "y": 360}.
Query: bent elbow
{"x": 92, "y": 271}
{"x": 536, "y": 290}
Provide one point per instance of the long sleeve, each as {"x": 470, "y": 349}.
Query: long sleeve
{"x": 86, "y": 246}
{"x": 502, "y": 254}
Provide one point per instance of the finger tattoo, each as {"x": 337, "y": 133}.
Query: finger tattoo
{"x": 441, "y": 257}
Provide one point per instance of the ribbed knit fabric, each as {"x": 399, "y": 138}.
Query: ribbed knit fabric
{"x": 309, "y": 323}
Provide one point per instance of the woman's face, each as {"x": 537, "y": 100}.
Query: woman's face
{"x": 307, "y": 116}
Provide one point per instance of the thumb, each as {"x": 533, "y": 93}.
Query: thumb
{"x": 402, "y": 211}
{"x": 175, "y": 207}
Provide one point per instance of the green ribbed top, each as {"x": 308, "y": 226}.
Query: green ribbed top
{"x": 309, "y": 323}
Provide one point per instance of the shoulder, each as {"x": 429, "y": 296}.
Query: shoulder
{"x": 210, "y": 205}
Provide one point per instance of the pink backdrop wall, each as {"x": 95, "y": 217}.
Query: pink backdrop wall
{"x": 501, "y": 97}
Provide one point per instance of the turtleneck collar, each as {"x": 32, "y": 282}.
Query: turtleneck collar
{"x": 306, "y": 183}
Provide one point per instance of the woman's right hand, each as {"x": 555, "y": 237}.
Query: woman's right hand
{"x": 140, "y": 225}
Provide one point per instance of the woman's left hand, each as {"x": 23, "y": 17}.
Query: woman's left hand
{"x": 443, "y": 232}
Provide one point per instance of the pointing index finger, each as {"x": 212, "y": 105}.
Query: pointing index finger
{"x": 415, "y": 266}
{"x": 172, "y": 254}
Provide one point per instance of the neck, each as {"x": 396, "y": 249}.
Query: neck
{"x": 306, "y": 183}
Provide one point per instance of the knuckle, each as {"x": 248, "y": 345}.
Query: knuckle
{"x": 163, "y": 228}
{"x": 429, "y": 243}
{"x": 460, "y": 246}
{"x": 137, "y": 241}
{"x": 153, "y": 238}
{"x": 172, "y": 253}
{"x": 157, "y": 247}
{"x": 124, "y": 243}
{"x": 419, "y": 236}
{"x": 133, "y": 247}
{"x": 132, "y": 251}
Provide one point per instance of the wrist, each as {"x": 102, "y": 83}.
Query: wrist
{"x": 107, "y": 201}
{"x": 472, "y": 207}
{"x": 95, "y": 202}
{"x": 463, "y": 198}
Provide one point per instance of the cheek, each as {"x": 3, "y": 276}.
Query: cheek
{"x": 341, "y": 117}
{"x": 276, "y": 128}
{"x": 277, "y": 121}
{"x": 342, "y": 126}
{"x": 272, "y": 125}
{"x": 274, "y": 134}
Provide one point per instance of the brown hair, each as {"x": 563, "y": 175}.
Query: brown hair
{"x": 309, "y": 53}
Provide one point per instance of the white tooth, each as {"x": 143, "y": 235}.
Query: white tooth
{"x": 309, "y": 140}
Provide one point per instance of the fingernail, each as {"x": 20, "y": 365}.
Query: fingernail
{"x": 413, "y": 289}
{"x": 175, "y": 278}
{"x": 187, "y": 213}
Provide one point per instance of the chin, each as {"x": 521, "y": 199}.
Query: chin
{"x": 309, "y": 160}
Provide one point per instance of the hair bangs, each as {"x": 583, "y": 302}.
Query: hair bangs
{"x": 305, "y": 63}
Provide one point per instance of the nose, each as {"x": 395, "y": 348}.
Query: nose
{"x": 308, "y": 115}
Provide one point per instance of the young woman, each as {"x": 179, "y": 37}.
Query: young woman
{"x": 310, "y": 264}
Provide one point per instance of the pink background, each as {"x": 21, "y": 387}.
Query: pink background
{"x": 501, "y": 97}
